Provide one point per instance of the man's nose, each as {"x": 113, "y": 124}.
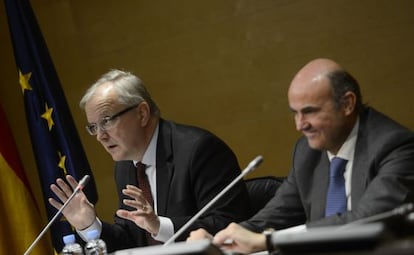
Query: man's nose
{"x": 101, "y": 134}
{"x": 301, "y": 122}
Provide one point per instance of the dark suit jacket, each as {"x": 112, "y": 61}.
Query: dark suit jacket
{"x": 382, "y": 178}
{"x": 193, "y": 166}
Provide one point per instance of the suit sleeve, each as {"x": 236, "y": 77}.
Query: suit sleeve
{"x": 213, "y": 165}
{"x": 284, "y": 210}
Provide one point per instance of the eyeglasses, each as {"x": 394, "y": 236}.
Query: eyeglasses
{"x": 107, "y": 122}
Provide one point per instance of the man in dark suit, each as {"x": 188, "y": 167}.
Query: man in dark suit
{"x": 182, "y": 168}
{"x": 377, "y": 153}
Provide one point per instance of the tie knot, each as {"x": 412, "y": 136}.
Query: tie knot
{"x": 337, "y": 166}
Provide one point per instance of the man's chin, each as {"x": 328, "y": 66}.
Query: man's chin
{"x": 118, "y": 157}
{"x": 115, "y": 156}
{"x": 315, "y": 145}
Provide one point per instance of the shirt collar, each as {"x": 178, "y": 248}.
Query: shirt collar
{"x": 348, "y": 148}
{"x": 149, "y": 158}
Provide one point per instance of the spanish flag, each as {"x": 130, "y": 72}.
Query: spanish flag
{"x": 18, "y": 210}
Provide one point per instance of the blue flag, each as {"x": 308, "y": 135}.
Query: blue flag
{"x": 55, "y": 141}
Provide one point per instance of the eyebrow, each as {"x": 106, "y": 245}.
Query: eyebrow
{"x": 305, "y": 109}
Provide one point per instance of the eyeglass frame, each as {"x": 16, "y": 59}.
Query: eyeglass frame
{"x": 107, "y": 119}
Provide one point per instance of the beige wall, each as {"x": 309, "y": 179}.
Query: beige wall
{"x": 222, "y": 65}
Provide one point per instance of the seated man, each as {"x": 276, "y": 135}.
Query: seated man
{"x": 164, "y": 172}
{"x": 374, "y": 156}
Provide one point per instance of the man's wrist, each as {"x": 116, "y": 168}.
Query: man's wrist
{"x": 96, "y": 225}
{"x": 268, "y": 237}
{"x": 166, "y": 229}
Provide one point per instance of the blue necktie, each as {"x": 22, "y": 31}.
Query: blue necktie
{"x": 336, "y": 197}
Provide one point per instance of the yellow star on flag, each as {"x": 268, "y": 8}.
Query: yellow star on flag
{"x": 48, "y": 116}
{"x": 24, "y": 81}
{"x": 62, "y": 160}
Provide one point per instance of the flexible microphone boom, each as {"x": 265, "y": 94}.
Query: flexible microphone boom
{"x": 250, "y": 167}
{"x": 80, "y": 186}
{"x": 400, "y": 211}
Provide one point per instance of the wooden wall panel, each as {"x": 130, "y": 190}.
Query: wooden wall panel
{"x": 221, "y": 65}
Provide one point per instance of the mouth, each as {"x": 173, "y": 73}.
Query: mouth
{"x": 309, "y": 134}
{"x": 110, "y": 147}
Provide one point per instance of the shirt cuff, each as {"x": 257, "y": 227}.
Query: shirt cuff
{"x": 292, "y": 230}
{"x": 96, "y": 225}
{"x": 166, "y": 230}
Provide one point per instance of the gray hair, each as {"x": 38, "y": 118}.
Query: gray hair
{"x": 130, "y": 89}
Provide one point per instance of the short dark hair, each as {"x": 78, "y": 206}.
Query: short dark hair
{"x": 342, "y": 82}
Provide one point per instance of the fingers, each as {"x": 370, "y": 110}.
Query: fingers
{"x": 135, "y": 216}
{"x": 55, "y": 203}
{"x": 141, "y": 205}
{"x": 148, "y": 220}
{"x": 224, "y": 235}
{"x": 143, "y": 215}
{"x": 138, "y": 200}
{"x": 132, "y": 191}
{"x": 199, "y": 234}
{"x": 73, "y": 183}
{"x": 62, "y": 190}
{"x": 125, "y": 214}
{"x": 63, "y": 186}
{"x": 237, "y": 238}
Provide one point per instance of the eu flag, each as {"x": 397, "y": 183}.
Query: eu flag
{"x": 55, "y": 141}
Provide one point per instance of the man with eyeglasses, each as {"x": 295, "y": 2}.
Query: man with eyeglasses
{"x": 184, "y": 168}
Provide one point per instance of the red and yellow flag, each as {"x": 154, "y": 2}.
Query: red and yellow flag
{"x": 20, "y": 217}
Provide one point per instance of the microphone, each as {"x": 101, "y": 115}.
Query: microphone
{"x": 400, "y": 211}
{"x": 82, "y": 183}
{"x": 250, "y": 167}
{"x": 365, "y": 233}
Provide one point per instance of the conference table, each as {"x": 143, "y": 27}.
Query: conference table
{"x": 378, "y": 238}
{"x": 397, "y": 247}
{"x": 404, "y": 246}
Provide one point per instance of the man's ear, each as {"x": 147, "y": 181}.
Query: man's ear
{"x": 349, "y": 102}
{"x": 144, "y": 113}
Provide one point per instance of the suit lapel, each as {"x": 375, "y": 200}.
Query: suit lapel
{"x": 360, "y": 168}
{"x": 321, "y": 179}
{"x": 125, "y": 173}
{"x": 165, "y": 166}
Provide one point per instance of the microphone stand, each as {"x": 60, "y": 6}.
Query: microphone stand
{"x": 80, "y": 186}
{"x": 252, "y": 165}
{"x": 402, "y": 210}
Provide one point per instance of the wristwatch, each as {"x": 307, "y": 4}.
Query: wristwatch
{"x": 268, "y": 235}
